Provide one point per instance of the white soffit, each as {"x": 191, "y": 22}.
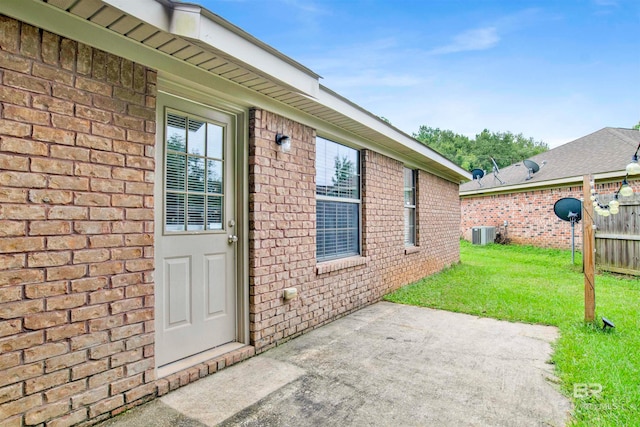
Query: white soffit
{"x": 194, "y": 35}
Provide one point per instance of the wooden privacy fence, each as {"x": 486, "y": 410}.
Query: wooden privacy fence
{"x": 617, "y": 240}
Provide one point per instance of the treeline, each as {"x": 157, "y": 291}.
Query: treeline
{"x": 505, "y": 147}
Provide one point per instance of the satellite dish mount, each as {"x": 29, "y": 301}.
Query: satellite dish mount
{"x": 477, "y": 174}
{"x": 569, "y": 209}
{"x": 532, "y": 168}
{"x": 496, "y": 171}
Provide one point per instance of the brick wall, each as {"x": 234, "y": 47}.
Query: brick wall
{"x": 530, "y": 216}
{"x": 77, "y": 141}
{"x": 282, "y": 234}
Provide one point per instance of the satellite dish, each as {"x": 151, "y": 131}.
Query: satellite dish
{"x": 496, "y": 171}
{"x": 532, "y": 167}
{"x": 477, "y": 174}
{"x": 568, "y": 209}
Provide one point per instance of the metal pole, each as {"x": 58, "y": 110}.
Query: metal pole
{"x": 573, "y": 239}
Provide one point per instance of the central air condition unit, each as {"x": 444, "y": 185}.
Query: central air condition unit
{"x": 483, "y": 235}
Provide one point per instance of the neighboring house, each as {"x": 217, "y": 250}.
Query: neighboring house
{"x": 149, "y": 221}
{"x": 526, "y": 205}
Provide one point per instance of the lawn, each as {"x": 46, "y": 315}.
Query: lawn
{"x": 533, "y": 285}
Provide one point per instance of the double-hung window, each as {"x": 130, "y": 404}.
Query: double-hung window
{"x": 409, "y": 207}
{"x": 337, "y": 200}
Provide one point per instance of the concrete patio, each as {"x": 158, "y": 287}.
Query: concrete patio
{"x": 385, "y": 365}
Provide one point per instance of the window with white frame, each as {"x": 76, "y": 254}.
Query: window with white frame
{"x": 409, "y": 207}
{"x": 337, "y": 200}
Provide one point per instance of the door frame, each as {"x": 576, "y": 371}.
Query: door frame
{"x": 173, "y": 86}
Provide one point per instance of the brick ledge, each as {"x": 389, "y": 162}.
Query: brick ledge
{"x": 340, "y": 264}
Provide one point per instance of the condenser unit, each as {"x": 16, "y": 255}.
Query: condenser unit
{"x": 483, "y": 235}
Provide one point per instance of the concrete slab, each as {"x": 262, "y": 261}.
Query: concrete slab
{"x": 385, "y": 365}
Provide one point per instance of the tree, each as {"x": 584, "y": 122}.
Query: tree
{"x": 505, "y": 147}
{"x": 636, "y": 127}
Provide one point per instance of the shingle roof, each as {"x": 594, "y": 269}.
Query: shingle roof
{"x": 606, "y": 150}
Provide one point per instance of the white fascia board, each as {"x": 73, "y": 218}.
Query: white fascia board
{"x": 194, "y": 22}
{"x": 542, "y": 185}
{"x": 343, "y": 106}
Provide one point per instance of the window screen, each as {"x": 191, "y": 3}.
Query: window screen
{"x": 409, "y": 207}
{"x": 338, "y": 200}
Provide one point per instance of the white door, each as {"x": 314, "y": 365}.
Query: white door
{"x": 195, "y": 229}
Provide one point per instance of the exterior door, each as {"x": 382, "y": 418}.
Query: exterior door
{"x": 195, "y": 236}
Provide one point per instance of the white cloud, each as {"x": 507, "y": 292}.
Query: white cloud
{"x": 476, "y": 39}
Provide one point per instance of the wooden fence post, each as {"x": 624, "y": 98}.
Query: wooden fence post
{"x": 588, "y": 255}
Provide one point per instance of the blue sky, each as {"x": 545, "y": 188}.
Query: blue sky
{"x": 552, "y": 70}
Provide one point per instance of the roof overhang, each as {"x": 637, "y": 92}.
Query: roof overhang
{"x": 190, "y": 41}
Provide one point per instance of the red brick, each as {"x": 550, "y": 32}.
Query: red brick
{"x": 10, "y": 327}
{"x": 65, "y": 361}
{"x": 12, "y": 261}
{"x": 65, "y": 302}
{"x": 106, "y": 377}
{"x": 106, "y": 405}
{"x": 20, "y": 373}
{"x": 90, "y": 255}
{"x": 52, "y": 166}
{"x": 106, "y": 323}
{"x": 26, "y": 82}
{"x": 105, "y": 214}
{"x": 21, "y": 179}
{"x": 43, "y": 382}
{"x": 92, "y": 199}
{"x": 49, "y": 228}
{"x": 88, "y": 284}
{"x": 89, "y": 340}
{"x": 30, "y": 41}
{"x": 50, "y": 48}
{"x": 11, "y": 128}
{"x": 26, "y": 115}
{"x": 12, "y": 228}
{"x": 23, "y": 146}
{"x": 69, "y": 420}
{"x": 139, "y": 264}
{"x": 14, "y": 310}
{"x": 70, "y": 123}
{"x": 10, "y": 36}
{"x": 54, "y": 105}
{"x": 127, "y": 147}
{"x": 94, "y": 141}
{"x": 65, "y": 391}
{"x": 139, "y": 366}
{"x": 66, "y": 273}
{"x": 126, "y": 253}
{"x": 140, "y": 392}
{"x": 89, "y": 312}
{"x": 9, "y": 294}
{"x": 45, "y": 320}
{"x": 9, "y": 393}
{"x": 106, "y": 268}
{"x": 107, "y": 185}
{"x": 91, "y": 396}
{"x": 93, "y": 114}
{"x": 134, "y": 214}
{"x": 138, "y": 316}
{"x": 14, "y": 96}
{"x": 66, "y": 331}
{"x": 47, "y": 259}
{"x": 45, "y": 351}
{"x": 14, "y": 163}
{"x": 40, "y": 290}
{"x": 58, "y": 197}
{"x": 70, "y": 153}
{"x": 69, "y": 183}
{"x": 107, "y": 158}
{"x": 59, "y": 136}
{"x": 89, "y": 368}
{"x": 93, "y": 170}
{"x": 91, "y": 227}
{"x": 71, "y": 94}
{"x": 105, "y": 295}
{"x": 105, "y": 241}
{"x": 66, "y": 242}
{"x": 125, "y": 384}
{"x": 18, "y": 406}
{"x": 23, "y": 212}
{"x": 68, "y": 212}
{"x": 13, "y": 195}
{"x": 127, "y": 227}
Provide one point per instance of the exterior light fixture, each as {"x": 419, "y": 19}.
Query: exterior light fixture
{"x": 625, "y": 189}
{"x": 284, "y": 142}
{"x": 633, "y": 168}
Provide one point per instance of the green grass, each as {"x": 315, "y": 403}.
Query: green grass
{"x": 533, "y": 285}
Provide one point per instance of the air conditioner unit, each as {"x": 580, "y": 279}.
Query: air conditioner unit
{"x": 483, "y": 235}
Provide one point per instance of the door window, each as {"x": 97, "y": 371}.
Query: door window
{"x": 194, "y": 177}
